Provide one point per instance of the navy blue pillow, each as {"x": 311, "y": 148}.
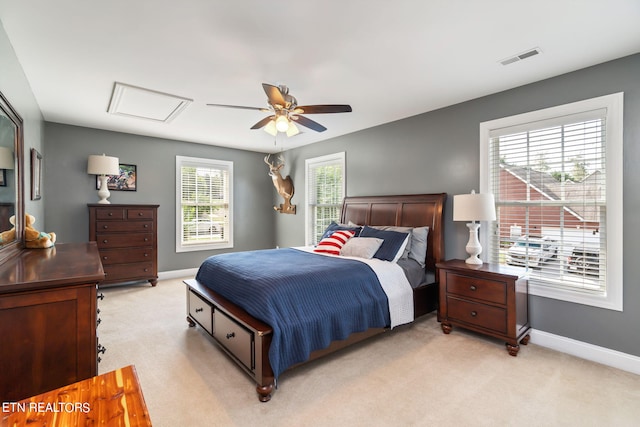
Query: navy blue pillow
{"x": 335, "y": 226}
{"x": 393, "y": 241}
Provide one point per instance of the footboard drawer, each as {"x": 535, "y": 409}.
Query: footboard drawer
{"x": 201, "y": 311}
{"x": 234, "y": 337}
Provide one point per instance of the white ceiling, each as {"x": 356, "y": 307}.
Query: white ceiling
{"x": 388, "y": 60}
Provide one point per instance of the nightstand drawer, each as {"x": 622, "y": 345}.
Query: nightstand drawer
{"x": 480, "y": 289}
{"x": 476, "y": 314}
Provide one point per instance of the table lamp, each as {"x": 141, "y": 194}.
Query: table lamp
{"x": 102, "y": 166}
{"x": 474, "y": 207}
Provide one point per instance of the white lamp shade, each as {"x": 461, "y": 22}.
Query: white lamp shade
{"x": 474, "y": 207}
{"x": 7, "y": 160}
{"x": 103, "y": 165}
{"x": 270, "y": 128}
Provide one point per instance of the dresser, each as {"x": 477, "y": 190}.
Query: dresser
{"x": 490, "y": 299}
{"x": 127, "y": 240}
{"x": 48, "y": 318}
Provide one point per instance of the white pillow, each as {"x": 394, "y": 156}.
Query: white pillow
{"x": 361, "y": 247}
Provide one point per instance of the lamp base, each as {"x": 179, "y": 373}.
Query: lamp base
{"x": 104, "y": 193}
{"x": 473, "y": 246}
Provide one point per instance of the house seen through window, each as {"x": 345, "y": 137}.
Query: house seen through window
{"x": 553, "y": 177}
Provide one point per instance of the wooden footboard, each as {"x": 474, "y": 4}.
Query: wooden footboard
{"x": 244, "y": 338}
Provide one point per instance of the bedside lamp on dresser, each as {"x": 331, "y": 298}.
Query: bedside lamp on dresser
{"x": 103, "y": 166}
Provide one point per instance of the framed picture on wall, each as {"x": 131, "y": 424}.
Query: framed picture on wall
{"x": 36, "y": 175}
{"x": 126, "y": 180}
{"x": 3, "y": 177}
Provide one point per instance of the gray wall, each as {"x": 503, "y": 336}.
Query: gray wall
{"x": 69, "y": 188}
{"x": 438, "y": 152}
{"x": 16, "y": 88}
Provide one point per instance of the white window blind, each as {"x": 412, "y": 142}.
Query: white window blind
{"x": 203, "y": 208}
{"x": 552, "y": 179}
{"x": 325, "y": 178}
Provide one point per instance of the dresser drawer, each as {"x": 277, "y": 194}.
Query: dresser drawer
{"x": 124, "y": 240}
{"x": 120, "y": 256}
{"x": 480, "y": 289}
{"x": 140, "y": 213}
{"x": 128, "y": 271}
{"x": 110, "y": 213}
{"x": 477, "y": 314}
{"x": 235, "y": 338}
{"x": 120, "y": 226}
{"x": 201, "y": 311}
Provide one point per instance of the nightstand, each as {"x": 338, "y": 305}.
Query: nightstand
{"x": 490, "y": 299}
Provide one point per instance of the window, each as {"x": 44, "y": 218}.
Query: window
{"x": 203, "y": 204}
{"x": 325, "y": 178}
{"x": 556, "y": 175}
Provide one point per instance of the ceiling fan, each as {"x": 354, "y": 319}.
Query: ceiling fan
{"x": 286, "y": 112}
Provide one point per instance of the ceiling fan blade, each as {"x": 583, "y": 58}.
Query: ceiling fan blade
{"x": 309, "y": 123}
{"x": 240, "y": 107}
{"x": 263, "y": 122}
{"x": 321, "y": 109}
{"x": 274, "y": 94}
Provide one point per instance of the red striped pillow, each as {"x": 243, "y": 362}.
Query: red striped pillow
{"x": 334, "y": 243}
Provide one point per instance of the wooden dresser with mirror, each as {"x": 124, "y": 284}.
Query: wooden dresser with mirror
{"x": 48, "y": 297}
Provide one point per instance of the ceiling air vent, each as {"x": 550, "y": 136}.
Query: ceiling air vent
{"x": 521, "y": 56}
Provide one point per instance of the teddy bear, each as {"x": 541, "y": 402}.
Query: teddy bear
{"x": 33, "y": 239}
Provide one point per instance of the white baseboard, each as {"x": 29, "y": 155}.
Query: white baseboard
{"x": 176, "y": 274}
{"x": 613, "y": 358}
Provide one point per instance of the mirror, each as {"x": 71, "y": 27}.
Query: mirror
{"x": 11, "y": 180}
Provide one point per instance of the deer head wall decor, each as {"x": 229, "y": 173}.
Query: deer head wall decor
{"x": 284, "y": 186}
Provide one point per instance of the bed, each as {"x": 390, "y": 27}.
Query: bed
{"x": 241, "y": 321}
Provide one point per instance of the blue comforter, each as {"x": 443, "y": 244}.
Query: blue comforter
{"x": 308, "y": 299}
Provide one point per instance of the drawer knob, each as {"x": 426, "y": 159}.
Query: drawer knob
{"x": 110, "y": 213}
{"x": 473, "y": 287}
{"x": 198, "y": 310}
{"x": 146, "y": 255}
{"x": 474, "y": 313}
{"x": 105, "y": 241}
{"x": 105, "y": 257}
{"x": 105, "y": 227}
{"x": 146, "y": 226}
{"x": 231, "y": 335}
{"x": 139, "y": 213}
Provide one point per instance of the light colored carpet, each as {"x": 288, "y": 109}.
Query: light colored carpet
{"x": 412, "y": 376}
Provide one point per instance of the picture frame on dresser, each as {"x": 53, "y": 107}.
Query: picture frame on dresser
{"x": 126, "y": 180}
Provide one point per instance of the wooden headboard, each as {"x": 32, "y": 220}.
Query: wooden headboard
{"x": 415, "y": 210}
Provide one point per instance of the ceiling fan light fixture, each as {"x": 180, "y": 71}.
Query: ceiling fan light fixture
{"x": 270, "y": 128}
{"x": 282, "y": 123}
{"x": 293, "y": 129}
